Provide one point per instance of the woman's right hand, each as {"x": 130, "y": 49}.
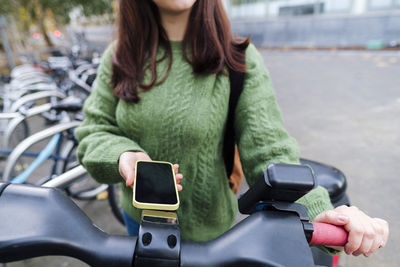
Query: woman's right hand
{"x": 127, "y": 163}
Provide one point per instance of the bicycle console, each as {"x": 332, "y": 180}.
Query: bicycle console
{"x": 280, "y": 183}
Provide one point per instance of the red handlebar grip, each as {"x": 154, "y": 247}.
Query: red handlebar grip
{"x": 328, "y": 234}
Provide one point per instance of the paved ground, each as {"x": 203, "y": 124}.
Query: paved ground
{"x": 344, "y": 109}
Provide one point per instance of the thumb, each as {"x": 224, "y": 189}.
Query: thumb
{"x": 332, "y": 217}
{"x": 126, "y": 171}
{"x": 129, "y": 176}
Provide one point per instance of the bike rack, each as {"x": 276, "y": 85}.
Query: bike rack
{"x": 18, "y": 83}
{"x": 69, "y": 177}
{"x": 9, "y": 116}
{"x": 66, "y": 178}
{"x": 35, "y": 96}
{"x": 25, "y": 144}
{"x": 17, "y": 120}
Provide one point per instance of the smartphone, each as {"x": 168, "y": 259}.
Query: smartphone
{"x": 155, "y": 186}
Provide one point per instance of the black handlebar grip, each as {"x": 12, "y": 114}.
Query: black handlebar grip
{"x": 267, "y": 238}
{"x": 43, "y": 221}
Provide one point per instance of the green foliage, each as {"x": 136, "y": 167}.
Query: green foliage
{"x": 6, "y": 6}
{"x": 95, "y": 7}
{"x": 59, "y": 8}
{"x": 43, "y": 13}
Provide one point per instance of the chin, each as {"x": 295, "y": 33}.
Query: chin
{"x": 174, "y": 5}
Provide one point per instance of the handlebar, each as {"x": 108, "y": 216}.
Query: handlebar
{"x": 49, "y": 223}
{"x": 38, "y": 221}
{"x": 328, "y": 235}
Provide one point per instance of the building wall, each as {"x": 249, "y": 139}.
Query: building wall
{"x": 272, "y": 8}
{"x": 321, "y": 31}
{"x": 321, "y": 23}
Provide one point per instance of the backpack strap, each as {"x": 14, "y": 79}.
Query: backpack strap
{"x": 236, "y": 86}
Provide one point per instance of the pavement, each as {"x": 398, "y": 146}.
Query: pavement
{"x": 343, "y": 107}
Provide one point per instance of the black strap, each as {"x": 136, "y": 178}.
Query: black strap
{"x": 236, "y": 80}
{"x": 3, "y": 186}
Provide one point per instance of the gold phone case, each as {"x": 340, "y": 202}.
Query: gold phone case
{"x": 155, "y": 206}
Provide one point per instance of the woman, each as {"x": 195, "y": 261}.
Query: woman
{"x": 162, "y": 93}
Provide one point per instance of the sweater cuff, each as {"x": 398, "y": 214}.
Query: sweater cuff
{"x": 316, "y": 202}
{"x": 106, "y": 170}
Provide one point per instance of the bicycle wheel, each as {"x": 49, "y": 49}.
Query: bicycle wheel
{"x": 114, "y": 193}
{"x": 85, "y": 188}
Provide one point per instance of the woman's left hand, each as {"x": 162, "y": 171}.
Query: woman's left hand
{"x": 366, "y": 234}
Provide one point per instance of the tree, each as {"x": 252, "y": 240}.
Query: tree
{"x": 29, "y": 12}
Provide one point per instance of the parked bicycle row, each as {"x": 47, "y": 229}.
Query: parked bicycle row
{"x": 47, "y": 95}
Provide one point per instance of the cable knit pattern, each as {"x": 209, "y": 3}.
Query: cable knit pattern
{"x": 182, "y": 121}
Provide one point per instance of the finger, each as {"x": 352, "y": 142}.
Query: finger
{"x": 356, "y": 233}
{"x": 178, "y": 178}
{"x": 176, "y": 167}
{"x": 332, "y": 217}
{"x": 130, "y": 177}
{"x": 129, "y": 180}
{"x": 179, "y": 187}
{"x": 128, "y": 173}
{"x": 379, "y": 237}
{"x": 368, "y": 238}
{"x": 384, "y": 224}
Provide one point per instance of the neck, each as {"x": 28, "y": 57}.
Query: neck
{"x": 175, "y": 24}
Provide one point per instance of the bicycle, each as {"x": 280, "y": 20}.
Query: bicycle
{"x": 276, "y": 233}
{"x": 60, "y": 150}
{"x": 19, "y": 112}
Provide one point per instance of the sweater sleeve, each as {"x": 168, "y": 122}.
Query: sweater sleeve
{"x": 101, "y": 141}
{"x": 260, "y": 134}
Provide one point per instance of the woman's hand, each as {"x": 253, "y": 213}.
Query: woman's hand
{"x": 366, "y": 234}
{"x": 127, "y": 163}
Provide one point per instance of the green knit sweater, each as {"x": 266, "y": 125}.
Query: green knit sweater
{"x": 182, "y": 121}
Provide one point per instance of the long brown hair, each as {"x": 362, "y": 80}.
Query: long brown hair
{"x": 209, "y": 40}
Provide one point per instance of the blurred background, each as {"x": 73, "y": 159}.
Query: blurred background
{"x": 334, "y": 64}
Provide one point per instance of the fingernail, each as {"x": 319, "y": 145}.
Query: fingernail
{"x": 342, "y": 218}
{"x": 356, "y": 254}
{"x": 368, "y": 254}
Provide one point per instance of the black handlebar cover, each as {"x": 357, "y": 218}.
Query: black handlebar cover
{"x": 268, "y": 238}
{"x": 38, "y": 221}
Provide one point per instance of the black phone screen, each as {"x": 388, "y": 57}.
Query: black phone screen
{"x": 155, "y": 183}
